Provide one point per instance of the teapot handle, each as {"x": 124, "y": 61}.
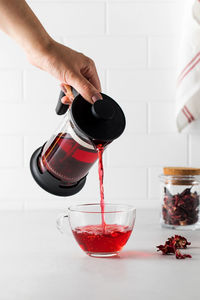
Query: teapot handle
{"x": 62, "y": 108}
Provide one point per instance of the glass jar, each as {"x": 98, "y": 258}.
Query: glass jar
{"x": 180, "y": 195}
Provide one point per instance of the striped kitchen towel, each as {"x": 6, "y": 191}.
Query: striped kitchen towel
{"x": 188, "y": 81}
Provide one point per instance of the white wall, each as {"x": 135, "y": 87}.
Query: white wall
{"x": 134, "y": 44}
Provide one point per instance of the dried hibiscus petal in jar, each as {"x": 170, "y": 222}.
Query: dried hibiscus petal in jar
{"x": 182, "y": 208}
{"x": 180, "y": 196}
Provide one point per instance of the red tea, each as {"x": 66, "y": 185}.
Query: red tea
{"x": 101, "y": 174}
{"x": 102, "y": 238}
{"x": 99, "y": 239}
{"x": 67, "y": 160}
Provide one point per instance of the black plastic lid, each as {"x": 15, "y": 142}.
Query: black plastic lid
{"x": 103, "y": 121}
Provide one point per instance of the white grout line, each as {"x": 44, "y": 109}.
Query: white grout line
{"x": 106, "y": 18}
{"x": 147, "y": 183}
{"x": 147, "y": 118}
{"x": 23, "y": 86}
{"x": 188, "y": 149}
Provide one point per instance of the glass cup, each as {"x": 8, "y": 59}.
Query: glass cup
{"x": 100, "y": 234}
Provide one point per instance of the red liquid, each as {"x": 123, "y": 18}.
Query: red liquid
{"x": 101, "y": 174}
{"x": 96, "y": 239}
{"x": 67, "y": 160}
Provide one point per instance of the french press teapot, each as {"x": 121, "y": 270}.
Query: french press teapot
{"x": 61, "y": 166}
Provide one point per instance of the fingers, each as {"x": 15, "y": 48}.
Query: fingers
{"x": 94, "y": 80}
{"x": 66, "y": 100}
{"x": 85, "y": 88}
{"x": 84, "y": 79}
{"x": 67, "y": 90}
{"x": 69, "y": 97}
{"x": 93, "y": 77}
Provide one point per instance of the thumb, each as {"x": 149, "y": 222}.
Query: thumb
{"x": 86, "y": 89}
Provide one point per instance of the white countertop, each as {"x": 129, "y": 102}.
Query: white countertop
{"x": 37, "y": 262}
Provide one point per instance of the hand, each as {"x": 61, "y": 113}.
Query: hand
{"x": 68, "y": 66}
{"x": 71, "y": 68}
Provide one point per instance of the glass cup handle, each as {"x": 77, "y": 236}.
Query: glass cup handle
{"x": 61, "y": 224}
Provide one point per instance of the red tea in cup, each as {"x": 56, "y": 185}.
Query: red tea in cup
{"x": 98, "y": 239}
{"x": 93, "y": 238}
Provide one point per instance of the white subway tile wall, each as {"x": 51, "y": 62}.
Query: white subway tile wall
{"x": 108, "y": 51}
{"x": 135, "y": 47}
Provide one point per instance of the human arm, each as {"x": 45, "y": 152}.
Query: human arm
{"x": 68, "y": 66}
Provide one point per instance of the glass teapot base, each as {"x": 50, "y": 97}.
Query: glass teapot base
{"x": 49, "y": 183}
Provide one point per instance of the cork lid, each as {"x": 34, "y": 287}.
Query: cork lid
{"x": 181, "y": 171}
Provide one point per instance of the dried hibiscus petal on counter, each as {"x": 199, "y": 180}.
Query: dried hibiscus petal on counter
{"x": 180, "y": 209}
{"x": 172, "y": 246}
{"x": 166, "y": 249}
{"x": 180, "y": 242}
{"x": 181, "y": 256}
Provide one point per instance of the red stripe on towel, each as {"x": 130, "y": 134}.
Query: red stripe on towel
{"x": 188, "y": 118}
{"x": 189, "y": 113}
{"x": 189, "y": 63}
{"x": 188, "y": 71}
